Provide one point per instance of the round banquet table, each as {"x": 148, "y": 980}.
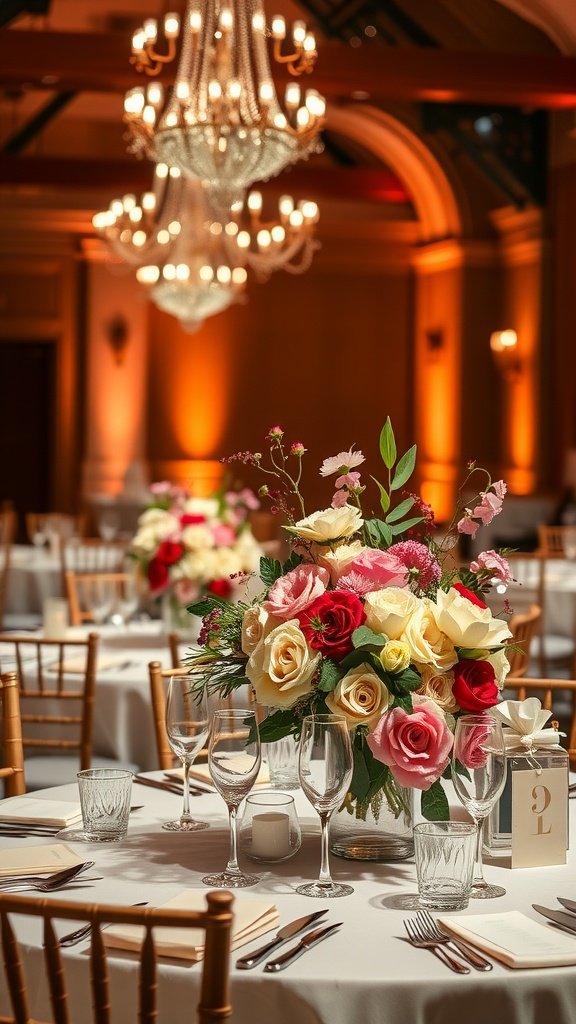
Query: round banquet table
{"x": 364, "y": 973}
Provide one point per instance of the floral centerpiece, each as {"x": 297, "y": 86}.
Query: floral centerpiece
{"x": 188, "y": 546}
{"x": 370, "y": 618}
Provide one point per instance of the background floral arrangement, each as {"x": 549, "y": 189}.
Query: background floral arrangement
{"x": 369, "y": 618}
{"x": 190, "y": 546}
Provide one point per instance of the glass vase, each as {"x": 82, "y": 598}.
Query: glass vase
{"x": 379, "y": 829}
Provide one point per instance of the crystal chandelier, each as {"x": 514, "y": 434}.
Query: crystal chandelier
{"x": 223, "y": 122}
{"x": 264, "y": 246}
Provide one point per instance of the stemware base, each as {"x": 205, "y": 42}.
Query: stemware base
{"x": 325, "y": 890}
{"x": 483, "y": 891}
{"x": 231, "y": 880}
{"x": 184, "y": 825}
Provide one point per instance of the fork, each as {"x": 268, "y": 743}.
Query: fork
{"x": 73, "y": 938}
{"x": 418, "y": 939}
{"x": 432, "y": 930}
{"x": 43, "y": 883}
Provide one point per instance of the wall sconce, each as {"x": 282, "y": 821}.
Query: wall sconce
{"x": 434, "y": 343}
{"x": 118, "y": 336}
{"x": 504, "y": 346}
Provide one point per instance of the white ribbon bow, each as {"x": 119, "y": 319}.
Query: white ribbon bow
{"x": 525, "y": 720}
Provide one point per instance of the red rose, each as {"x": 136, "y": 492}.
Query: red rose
{"x": 328, "y": 623}
{"x": 158, "y": 577}
{"x": 188, "y": 519}
{"x": 469, "y": 594}
{"x": 220, "y": 588}
{"x": 169, "y": 552}
{"x": 475, "y": 686}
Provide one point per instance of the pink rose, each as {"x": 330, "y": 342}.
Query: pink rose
{"x": 379, "y": 569}
{"x": 416, "y": 747}
{"x": 224, "y": 536}
{"x": 492, "y": 562}
{"x": 186, "y": 591}
{"x": 292, "y": 593}
{"x": 470, "y": 746}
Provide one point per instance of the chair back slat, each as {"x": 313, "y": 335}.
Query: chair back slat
{"x": 84, "y": 591}
{"x": 524, "y": 628}
{"x": 11, "y": 746}
{"x": 216, "y": 921}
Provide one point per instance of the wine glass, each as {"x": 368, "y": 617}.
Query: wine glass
{"x": 187, "y": 726}
{"x": 234, "y": 761}
{"x": 101, "y": 597}
{"x": 325, "y": 769}
{"x": 479, "y": 747}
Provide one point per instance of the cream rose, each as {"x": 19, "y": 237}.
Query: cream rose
{"x": 207, "y": 507}
{"x": 254, "y": 629}
{"x": 282, "y": 666}
{"x": 360, "y": 696}
{"x": 501, "y": 666}
{"x": 467, "y": 624}
{"x": 395, "y": 656}
{"x": 388, "y": 611}
{"x": 197, "y": 536}
{"x": 338, "y": 560}
{"x": 438, "y": 687}
{"x": 328, "y": 524}
{"x": 426, "y": 642}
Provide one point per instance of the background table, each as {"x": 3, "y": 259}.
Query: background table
{"x": 363, "y": 974}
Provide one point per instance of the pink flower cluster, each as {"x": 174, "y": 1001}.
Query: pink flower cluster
{"x": 490, "y": 505}
{"x": 423, "y": 569}
{"x": 493, "y": 566}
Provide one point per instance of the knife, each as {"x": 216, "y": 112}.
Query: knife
{"x": 567, "y": 921}
{"x": 285, "y": 933}
{"x": 569, "y": 904}
{"x": 307, "y": 942}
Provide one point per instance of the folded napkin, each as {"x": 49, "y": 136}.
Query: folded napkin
{"x": 252, "y": 917}
{"x": 36, "y": 860}
{"x": 30, "y": 810}
{"x": 77, "y": 666}
{"x": 524, "y": 722}
{"x": 202, "y": 772}
{"x": 514, "y": 938}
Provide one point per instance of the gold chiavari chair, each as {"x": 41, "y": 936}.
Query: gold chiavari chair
{"x": 11, "y": 748}
{"x": 551, "y": 651}
{"x": 57, "y": 730}
{"x": 92, "y": 554}
{"x": 216, "y": 921}
{"x": 92, "y": 596}
{"x": 524, "y": 627}
{"x": 556, "y": 541}
{"x": 551, "y": 693}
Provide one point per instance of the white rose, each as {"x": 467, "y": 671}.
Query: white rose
{"x": 465, "y": 623}
{"x": 338, "y": 560}
{"x": 282, "y": 666}
{"x": 154, "y": 526}
{"x": 207, "y": 507}
{"x": 360, "y": 696}
{"x": 388, "y": 611}
{"x": 225, "y": 562}
{"x": 328, "y": 524}
{"x": 438, "y": 687}
{"x": 256, "y": 624}
{"x": 195, "y": 565}
{"x": 197, "y": 536}
{"x": 426, "y": 642}
{"x": 501, "y": 666}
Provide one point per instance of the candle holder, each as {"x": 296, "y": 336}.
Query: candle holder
{"x": 270, "y": 830}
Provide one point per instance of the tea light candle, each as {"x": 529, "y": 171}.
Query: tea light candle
{"x": 270, "y": 835}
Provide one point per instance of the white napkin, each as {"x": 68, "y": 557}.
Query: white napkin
{"x": 31, "y": 810}
{"x": 514, "y": 938}
{"x": 77, "y": 666}
{"x": 36, "y": 860}
{"x": 202, "y": 772}
{"x": 252, "y": 917}
{"x": 524, "y": 721}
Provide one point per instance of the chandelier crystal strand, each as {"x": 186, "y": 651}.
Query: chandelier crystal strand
{"x": 222, "y": 122}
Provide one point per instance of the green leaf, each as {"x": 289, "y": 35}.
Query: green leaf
{"x": 388, "y": 444}
{"x": 354, "y": 659}
{"x": 384, "y": 496}
{"x": 379, "y": 532}
{"x": 270, "y": 570}
{"x": 460, "y": 769}
{"x": 472, "y": 653}
{"x": 378, "y": 775}
{"x": 207, "y": 605}
{"x": 404, "y": 469}
{"x": 330, "y": 676}
{"x": 409, "y": 679}
{"x": 360, "y": 783}
{"x": 292, "y": 563}
{"x": 400, "y": 510}
{"x": 434, "y": 803}
{"x": 404, "y": 701}
{"x": 365, "y": 637}
{"x": 399, "y": 528}
{"x": 276, "y": 726}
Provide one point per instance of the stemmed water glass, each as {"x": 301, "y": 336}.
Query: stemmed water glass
{"x": 325, "y": 769}
{"x": 234, "y": 762}
{"x": 187, "y": 726}
{"x": 479, "y": 747}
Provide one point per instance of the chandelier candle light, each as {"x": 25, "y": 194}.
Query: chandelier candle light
{"x": 222, "y": 122}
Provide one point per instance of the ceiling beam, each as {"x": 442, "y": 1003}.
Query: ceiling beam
{"x": 24, "y": 135}
{"x": 12, "y": 9}
{"x": 119, "y": 176}
{"x": 99, "y": 62}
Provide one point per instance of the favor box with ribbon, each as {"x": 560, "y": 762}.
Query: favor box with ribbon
{"x": 531, "y": 817}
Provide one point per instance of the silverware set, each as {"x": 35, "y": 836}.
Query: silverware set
{"x": 169, "y": 786}
{"x": 425, "y": 933}
{"x": 77, "y": 936}
{"x": 566, "y": 922}
{"x": 45, "y": 883}
{"x": 284, "y": 934}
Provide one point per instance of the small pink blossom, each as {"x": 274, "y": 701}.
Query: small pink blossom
{"x": 298, "y": 449}
{"x": 341, "y": 463}
{"x": 291, "y": 594}
{"x": 499, "y": 488}
{"x": 379, "y": 569}
{"x": 224, "y": 536}
{"x": 349, "y": 480}
{"x": 490, "y": 505}
{"x": 492, "y": 562}
{"x": 422, "y": 567}
{"x": 416, "y": 747}
{"x": 467, "y": 526}
{"x": 340, "y": 498}
{"x": 275, "y": 433}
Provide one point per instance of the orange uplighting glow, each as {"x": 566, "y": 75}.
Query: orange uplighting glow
{"x": 199, "y": 394}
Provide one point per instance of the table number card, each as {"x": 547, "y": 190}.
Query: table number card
{"x": 539, "y": 817}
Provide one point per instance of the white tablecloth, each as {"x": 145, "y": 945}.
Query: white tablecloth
{"x": 560, "y": 593}
{"x": 35, "y": 574}
{"x": 362, "y": 974}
